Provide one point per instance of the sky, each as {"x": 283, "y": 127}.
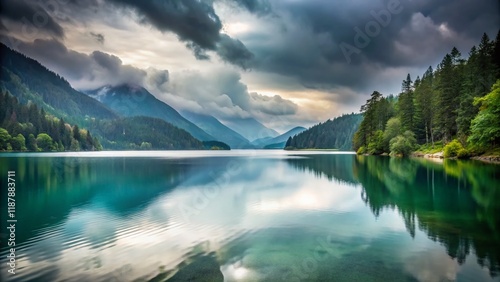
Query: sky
{"x": 285, "y": 63}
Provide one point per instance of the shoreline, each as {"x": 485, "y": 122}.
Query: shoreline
{"x": 440, "y": 155}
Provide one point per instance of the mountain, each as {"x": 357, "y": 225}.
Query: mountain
{"x": 332, "y": 134}
{"x": 131, "y": 100}
{"x": 279, "y": 141}
{"x": 48, "y": 105}
{"x": 142, "y": 132}
{"x": 25, "y": 127}
{"x": 214, "y": 127}
{"x": 28, "y": 80}
{"x": 250, "y": 128}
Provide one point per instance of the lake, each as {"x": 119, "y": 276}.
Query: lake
{"x": 251, "y": 216}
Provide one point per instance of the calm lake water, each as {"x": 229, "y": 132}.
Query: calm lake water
{"x": 251, "y": 216}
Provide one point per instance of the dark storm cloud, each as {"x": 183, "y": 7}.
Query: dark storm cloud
{"x": 84, "y": 71}
{"x": 233, "y": 51}
{"x": 31, "y": 16}
{"x": 259, "y": 7}
{"x": 98, "y": 37}
{"x": 196, "y": 23}
{"x": 311, "y": 45}
{"x": 199, "y": 53}
{"x": 191, "y": 20}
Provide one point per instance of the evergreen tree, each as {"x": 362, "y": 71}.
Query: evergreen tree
{"x": 425, "y": 106}
{"x": 406, "y": 105}
{"x": 76, "y": 133}
{"x": 496, "y": 55}
{"x": 32, "y": 146}
{"x": 18, "y": 143}
{"x": 288, "y": 142}
{"x": 447, "y": 99}
{"x": 75, "y": 145}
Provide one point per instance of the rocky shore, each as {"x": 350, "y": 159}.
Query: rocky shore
{"x": 440, "y": 155}
{"x": 488, "y": 159}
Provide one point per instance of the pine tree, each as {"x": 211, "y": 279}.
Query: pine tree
{"x": 448, "y": 98}
{"x": 406, "y": 105}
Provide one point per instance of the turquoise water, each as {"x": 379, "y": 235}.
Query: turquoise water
{"x": 251, "y": 216}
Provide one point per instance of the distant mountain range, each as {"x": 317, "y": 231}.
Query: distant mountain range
{"x": 132, "y": 100}
{"x": 279, "y": 141}
{"x": 115, "y": 112}
{"x": 250, "y": 128}
{"x": 214, "y": 127}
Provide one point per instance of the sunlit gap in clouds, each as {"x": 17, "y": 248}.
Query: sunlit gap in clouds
{"x": 235, "y": 28}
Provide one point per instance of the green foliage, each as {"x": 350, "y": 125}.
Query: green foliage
{"x": 447, "y": 103}
{"x": 75, "y": 145}
{"x": 215, "y": 145}
{"x": 361, "y": 150}
{"x": 28, "y": 80}
{"x": 131, "y": 132}
{"x": 392, "y": 129}
{"x": 463, "y": 153}
{"x": 376, "y": 145}
{"x": 406, "y": 105}
{"x": 332, "y": 134}
{"x": 18, "y": 143}
{"x": 453, "y": 148}
{"x": 27, "y": 121}
{"x": 485, "y": 129}
{"x": 146, "y": 146}
{"x": 4, "y": 138}
{"x": 376, "y": 112}
{"x": 403, "y": 144}
{"x": 44, "y": 142}
{"x": 32, "y": 146}
{"x": 429, "y": 148}
{"x": 129, "y": 101}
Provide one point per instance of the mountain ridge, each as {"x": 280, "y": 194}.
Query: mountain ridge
{"x": 132, "y": 100}
{"x": 28, "y": 80}
{"x": 278, "y": 142}
{"x": 214, "y": 127}
{"x": 250, "y": 128}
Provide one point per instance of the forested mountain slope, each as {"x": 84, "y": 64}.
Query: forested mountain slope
{"x": 332, "y": 134}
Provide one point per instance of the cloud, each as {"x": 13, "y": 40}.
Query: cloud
{"x": 31, "y": 19}
{"x": 194, "y": 22}
{"x": 233, "y": 51}
{"x": 191, "y": 20}
{"x": 274, "y": 105}
{"x": 83, "y": 71}
{"x": 287, "y": 48}
{"x": 259, "y": 7}
{"x": 219, "y": 92}
{"x": 304, "y": 41}
{"x": 98, "y": 37}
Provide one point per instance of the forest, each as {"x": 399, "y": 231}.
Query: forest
{"x": 28, "y": 128}
{"x": 332, "y": 134}
{"x": 143, "y": 133}
{"x": 454, "y": 108}
{"x": 36, "y": 102}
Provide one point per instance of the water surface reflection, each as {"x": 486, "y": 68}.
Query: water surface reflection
{"x": 254, "y": 216}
